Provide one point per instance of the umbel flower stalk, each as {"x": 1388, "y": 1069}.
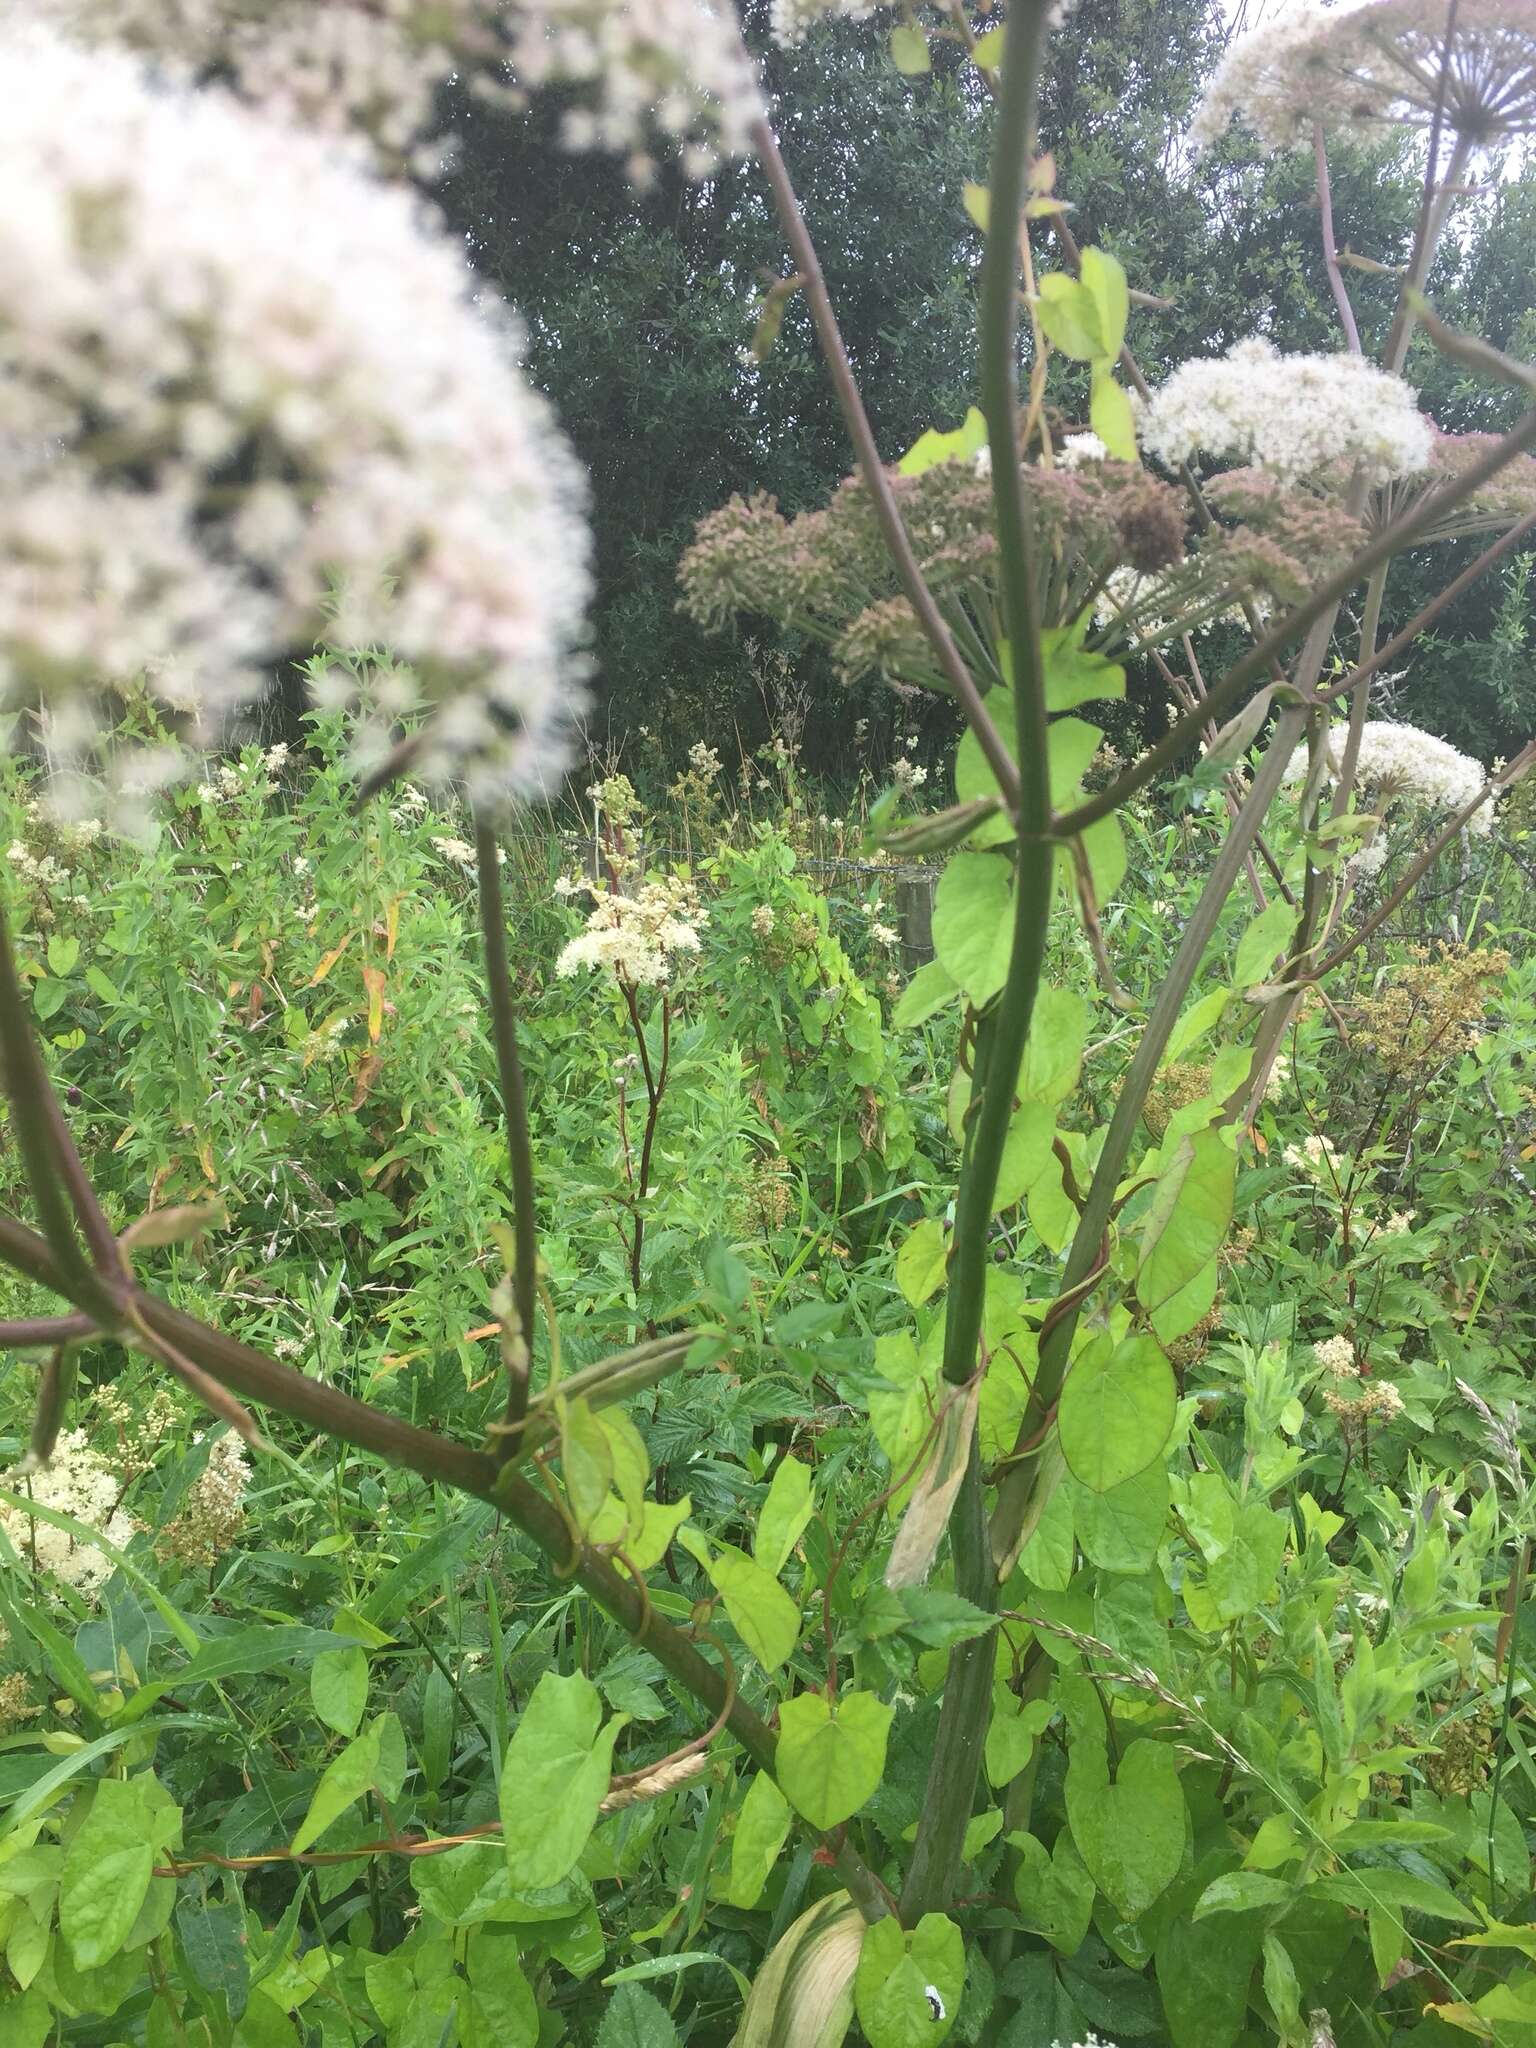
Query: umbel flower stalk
{"x": 1376, "y": 67}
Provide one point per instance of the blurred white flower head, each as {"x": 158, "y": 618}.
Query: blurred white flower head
{"x": 245, "y": 399}
{"x": 673, "y": 70}
{"x": 1367, "y": 69}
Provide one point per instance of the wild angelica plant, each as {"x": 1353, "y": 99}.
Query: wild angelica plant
{"x": 993, "y": 581}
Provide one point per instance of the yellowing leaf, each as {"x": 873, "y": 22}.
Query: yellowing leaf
{"x": 959, "y": 445}
{"x": 920, "y": 1262}
{"x": 909, "y": 52}
{"x": 1104, "y": 281}
{"x": 830, "y": 1760}
{"x": 373, "y": 981}
{"x": 988, "y": 52}
{"x": 329, "y": 960}
{"x": 782, "y": 1519}
{"x": 1069, "y": 318}
{"x": 1110, "y": 415}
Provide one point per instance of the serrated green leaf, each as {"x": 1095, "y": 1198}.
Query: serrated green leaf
{"x": 635, "y": 2019}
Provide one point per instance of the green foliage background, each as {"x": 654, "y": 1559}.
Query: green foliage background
{"x": 640, "y": 304}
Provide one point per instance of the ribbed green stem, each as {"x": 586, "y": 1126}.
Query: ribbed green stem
{"x": 967, "y": 1704}
{"x": 1018, "y": 1485}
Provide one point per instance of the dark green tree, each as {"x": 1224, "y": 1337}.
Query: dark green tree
{"x": 641, "y": 304}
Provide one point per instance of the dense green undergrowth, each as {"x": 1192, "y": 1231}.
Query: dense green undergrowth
{"x": 1290, "y": 1654}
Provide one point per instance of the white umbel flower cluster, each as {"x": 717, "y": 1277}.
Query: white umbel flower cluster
{"x": 78, "y": 1482}
{"x": 1401, "y": 761}
{"x": 793, "y": 20}
{"x": 212, "y": 1512}
{"x": 1295, "y": 416}
{"x": 1367, "y": 69}
{"x": 637, "y": 938}
{"x": 242, "y": 388}
{"x": 1079, "y": 450}
{"x": 677, "y": 68}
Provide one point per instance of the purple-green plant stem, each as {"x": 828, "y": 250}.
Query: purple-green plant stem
{"x": 888, "y": 514}
{"x": 951, "y": 1787}
{"x": 1330, "y": 247}
{"x": 36, "y": 1333}
{"x": 56, "y": 1178}
{"x": 514, "y": 1105}
{"x": 333, "y": 1413}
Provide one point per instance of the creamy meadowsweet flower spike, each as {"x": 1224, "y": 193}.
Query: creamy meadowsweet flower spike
{"x": 1292, "y": 416}
{"x": 1368, "y": 69}
{"x": 636, "y": 938}
{"x": 78, "y": 1482}
{"x": 242, "y": 386}
{"x": 1336, "y": 1355}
